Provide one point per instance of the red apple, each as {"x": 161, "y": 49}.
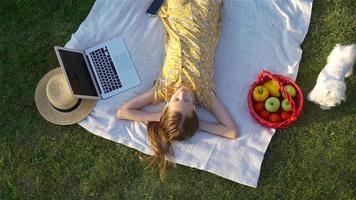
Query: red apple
{"x": 285, "y": 115}
{"x": 275, "y": 118}
{"x": 264, "y": 114}
{"x": 259, "y": 106}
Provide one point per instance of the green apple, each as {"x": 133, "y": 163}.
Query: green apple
{"x": 272, "y": 104}
{"x": 291, "y": 90}
{"x": 286, "y": 106}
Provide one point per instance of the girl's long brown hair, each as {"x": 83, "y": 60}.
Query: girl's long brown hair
{"x": 172, "y": 126}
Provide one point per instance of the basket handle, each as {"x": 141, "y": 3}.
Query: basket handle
{"x": 264, "y": 73}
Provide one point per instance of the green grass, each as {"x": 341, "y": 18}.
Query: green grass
{"x": 313, "y": 159}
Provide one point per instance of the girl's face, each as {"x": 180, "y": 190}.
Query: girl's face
{"x": 182, "y": 101}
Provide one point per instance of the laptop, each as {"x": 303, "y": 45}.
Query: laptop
{"x": 99, "y": 72}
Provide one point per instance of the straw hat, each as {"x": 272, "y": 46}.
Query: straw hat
{"x": 55, "y": 102}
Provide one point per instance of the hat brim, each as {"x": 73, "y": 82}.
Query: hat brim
{"x": 50, "y": 113}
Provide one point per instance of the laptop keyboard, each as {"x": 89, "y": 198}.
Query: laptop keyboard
{"x": 105, "y": 68}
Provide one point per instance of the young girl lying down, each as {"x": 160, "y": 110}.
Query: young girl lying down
{"x": 192, "y": 33}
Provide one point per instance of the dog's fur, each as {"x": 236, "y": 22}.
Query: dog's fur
{"x": 330, "y": 87}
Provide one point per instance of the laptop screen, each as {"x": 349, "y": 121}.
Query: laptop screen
{"x": 77, "y": 73}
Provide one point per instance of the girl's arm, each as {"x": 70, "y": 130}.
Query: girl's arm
{"x": 131, "y": 110}
{"x": 226, "y": 127}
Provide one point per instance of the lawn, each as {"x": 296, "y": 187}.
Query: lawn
{"x": 313, "y": 159}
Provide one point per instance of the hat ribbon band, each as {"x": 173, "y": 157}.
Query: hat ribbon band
{"x": 69, "y": 109}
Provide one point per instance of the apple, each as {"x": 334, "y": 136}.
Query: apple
{"x": 285, "y": 115}
{"x": 291, "y": 90}
{"x": 259, "y": 106}
{"x": 286, "y": 105}
{"x": 272, "y": 104}
{"x": 260, "y": 93}
{"x": 275, "y": 118}
{"x": 273, "y": 88}
{"x": 264, "y": 114}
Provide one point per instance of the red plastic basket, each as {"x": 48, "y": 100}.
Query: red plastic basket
{"x": 297, "y": 104}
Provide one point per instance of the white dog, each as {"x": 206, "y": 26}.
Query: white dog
{"x": 330, "y": 87}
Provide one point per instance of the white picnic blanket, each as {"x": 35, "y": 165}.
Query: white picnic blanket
{"x": 256, "y": 35}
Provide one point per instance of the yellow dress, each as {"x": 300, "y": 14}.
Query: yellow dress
{"x": 192, "y": 32}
